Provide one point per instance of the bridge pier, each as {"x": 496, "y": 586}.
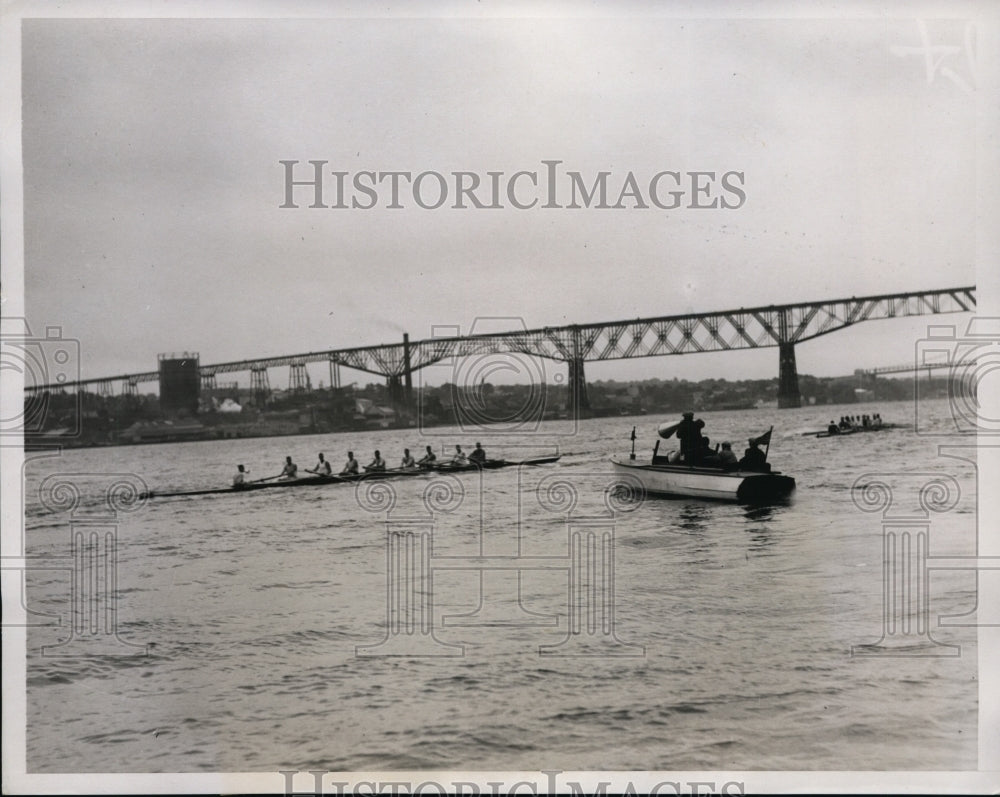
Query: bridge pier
{"x": 407, "y": 373}
{"x": 395, "y": 392}
{"x": 260, "y": 387}
{"x": 579, "y": 402}
{"x": 788, "y": 377}
{"x": 298, "y": 377}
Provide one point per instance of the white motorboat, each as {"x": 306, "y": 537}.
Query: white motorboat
{"x": 746, "y": 487}
{"x": 662, "y": 476}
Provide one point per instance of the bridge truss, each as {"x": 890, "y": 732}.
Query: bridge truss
{"x": 782, "y": 326}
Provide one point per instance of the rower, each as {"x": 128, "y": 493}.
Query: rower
{"x": 240, "y": 479}
{"x": 290, "y": 471}
{"x": 322, "y": 468}
{"x": 351, "y": 468}
{"x": 428, "y": 459}
{"x": 459, "y": 458}
{"x": 377, "y": 464}
{"x": 408, "y": 462}
{"x": 478, "y": 455}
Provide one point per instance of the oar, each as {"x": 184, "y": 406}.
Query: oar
{"x": 269, "y": 478}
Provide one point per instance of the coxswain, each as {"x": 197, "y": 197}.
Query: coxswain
{"x": 290, "y": 471}
{"x": 427, "y": 460}
{"x": 240, "y": 479}
{"x": 408, "y": 462}
{"x": 459, "y": 458}
{"x": 322, "y": 467}
{"x": 478, "y": 455}
{"x": 351, "y": 468}
{"x": 832, "y": 428}
{"x": 377, "y": 464}
{"x": 753, "y": 458}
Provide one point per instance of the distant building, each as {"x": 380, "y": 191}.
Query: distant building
{"x": 163, "y": 431}
{"x": 180, "y": 384}
{"x": 373, "y": 414}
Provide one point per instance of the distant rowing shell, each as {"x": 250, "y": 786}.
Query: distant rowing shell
{"x": 317, "y": 481}
{"x": 856, "y": 430}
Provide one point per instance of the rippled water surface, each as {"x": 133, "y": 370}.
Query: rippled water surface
{"x": 731, "y": 645}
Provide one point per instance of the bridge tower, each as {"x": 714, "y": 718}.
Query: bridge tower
{"x": 407, "y": 373}
{"x": 579, "y": 401}
{"x": 788, "y": 376}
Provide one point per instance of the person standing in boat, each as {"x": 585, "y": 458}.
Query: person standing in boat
{"x": 322, "y": 467}
{"x": 377, "y": 464}
{"x": 459, "y": 458}
{"x": 351, "y": 468}
{"x": 408, "y": 463}
{"x": 428, "y": 459}
{"x": 240, "y": 479}
{"x": 290, "y": 471}
{"x": 478, "y": 455}
{"x": 689, "y": 436}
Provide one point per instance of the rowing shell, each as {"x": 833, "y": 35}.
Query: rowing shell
{"x": 306, "y": 481}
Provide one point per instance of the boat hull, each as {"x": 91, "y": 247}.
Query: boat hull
{"x": 307, "y": 481}
{"x": 711, "y": 484}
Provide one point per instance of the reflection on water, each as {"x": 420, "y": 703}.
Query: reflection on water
{"x": 694, "y": 517}
{"x": 756, "y": 513}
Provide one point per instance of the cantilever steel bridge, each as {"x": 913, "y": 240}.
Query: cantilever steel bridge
{"x": 744, "y": 328}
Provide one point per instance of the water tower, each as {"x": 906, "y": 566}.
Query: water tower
{"x": 180, "y": 384}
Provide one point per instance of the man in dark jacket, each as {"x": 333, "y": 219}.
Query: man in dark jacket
{"x": 689, "y": 436}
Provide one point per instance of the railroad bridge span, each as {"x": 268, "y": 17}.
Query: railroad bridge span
{"x": 781, "y": 326}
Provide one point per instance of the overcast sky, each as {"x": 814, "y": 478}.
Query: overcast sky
{"x": 153, "y": 185}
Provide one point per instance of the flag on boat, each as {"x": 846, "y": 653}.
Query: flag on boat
{"x": 764, "y": 439}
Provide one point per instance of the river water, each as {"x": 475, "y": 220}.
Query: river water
{"x": 248, "y": 625}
